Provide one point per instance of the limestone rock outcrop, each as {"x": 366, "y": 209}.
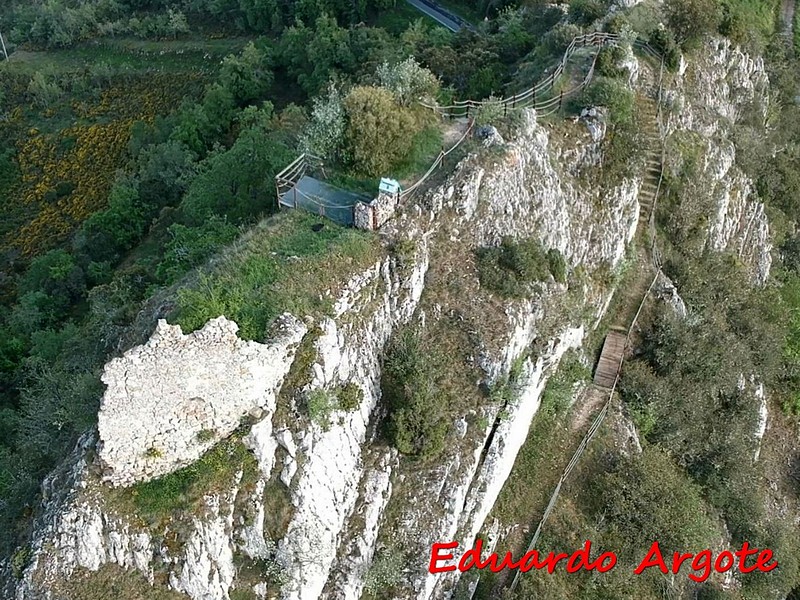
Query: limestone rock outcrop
{"x": 720, "y": 87}
{"x": 171, "y": 399}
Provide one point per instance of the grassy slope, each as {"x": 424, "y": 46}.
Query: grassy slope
{"x": 279, "y": 265}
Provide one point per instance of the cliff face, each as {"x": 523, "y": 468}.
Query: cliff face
{"x": 342, "y": 495}
{"x": 705, "y": 101}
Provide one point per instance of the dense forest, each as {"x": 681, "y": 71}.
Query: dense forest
{"x": 139, "y": 138}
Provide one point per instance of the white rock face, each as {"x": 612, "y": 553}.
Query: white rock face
{"x": 207, "y": 570}
{"x": 74, "y": 531}
{"x": 327, "y": 489}
{"x": 666, "y": 291}
{"x": 170, "y": 400}
{"x": 500, "y": 455}
{"x": 528, "y": 194}
{"x": 716, "y": 88}
{"x": 763, "y": 418}
{"x": 348, "y": 574}
{"x": 721, "y": 86}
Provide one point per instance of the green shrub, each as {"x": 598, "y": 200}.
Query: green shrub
{"x": 153, "y": 452}
{"x": 9, "y": 172}
{"x": 20, "y": 560}
{"x": 206, "y": 435}
{"x": 385, "y": 572}
{"x": 663, "y": 40}
{"x": 557, "y": 265}
{"x": 185, "y": 488}
{"x": 490, "y": 112}
{"x": 585, "y": 12}
{"x": 631, "y": 499}
{"x": 349, "y": 397}
{"x": 379, "y": 132}
{"x": 510, "y": 268}
{"x": 607, "y": 60}
{"x": 320, "y": 405}
{"x": 560, "y": 388}
{"x": 238, "y": 183}
{"x": 107, "y": 234}
{"x": 613, "y": 95}
{"x": 417, "y": 423}
{"x": 190, "y": 246}
{"x": 690, "y": 20}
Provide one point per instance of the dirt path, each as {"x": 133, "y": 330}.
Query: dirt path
{"x": 587, "y": 406}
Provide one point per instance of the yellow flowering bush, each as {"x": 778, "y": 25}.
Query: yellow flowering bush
{"x": 67, "y": 176}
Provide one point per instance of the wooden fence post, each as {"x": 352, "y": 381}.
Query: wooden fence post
{"x": 560, "y": 99}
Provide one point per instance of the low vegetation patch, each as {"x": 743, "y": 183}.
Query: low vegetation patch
{"x": 526, "y": 481}
{"x": 349, "y": 397}
{"x": 417, "y": 423}
{"x": 320, "y": 405}
{"x": 112, "y": 581}
{"x": 182, "y": 491}
{"x": 511, "y": 268}
{"x": 385, "y": 572}
{"x": 280, "y": 265}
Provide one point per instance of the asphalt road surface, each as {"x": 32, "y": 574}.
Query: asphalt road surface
{"x": 440, "y": 16}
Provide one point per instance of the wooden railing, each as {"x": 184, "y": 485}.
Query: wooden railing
{"x": 406, "y": 193}
{"x": 536, "y": 96}
{"x": 294, "y": 172}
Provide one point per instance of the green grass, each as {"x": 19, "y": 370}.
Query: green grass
{"x": 757, "y": 16}
{"x": 279, "y": 265}
{"x": 360, "y": 185}
{"x": 796, "y": 31}
{"x": 545, "y": 451}
{"x": 427, "y": 146}
{"x": 183, "y": 490}
{"x": 645, "y": 17}
{"x": 130, "y": 54}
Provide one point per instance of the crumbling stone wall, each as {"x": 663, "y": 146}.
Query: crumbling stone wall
{"x": 376, "y": 213}
{"x": 171, "y": 399}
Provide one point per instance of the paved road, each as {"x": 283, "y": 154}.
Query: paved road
{"x": 442, "y": 17}
{"x": 787, "y": 15}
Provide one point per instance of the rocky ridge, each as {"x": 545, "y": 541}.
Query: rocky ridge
{"x": 343, "y": 482}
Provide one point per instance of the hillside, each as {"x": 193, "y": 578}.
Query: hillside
{"x": 206, "y": 397}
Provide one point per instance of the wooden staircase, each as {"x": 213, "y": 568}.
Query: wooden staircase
{"x": 652, "y": 139}
{"x": 615, "y": 345}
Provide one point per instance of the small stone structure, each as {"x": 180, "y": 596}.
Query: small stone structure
{"x": 171, "y": 399}
{"x": 371, "y": 216}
